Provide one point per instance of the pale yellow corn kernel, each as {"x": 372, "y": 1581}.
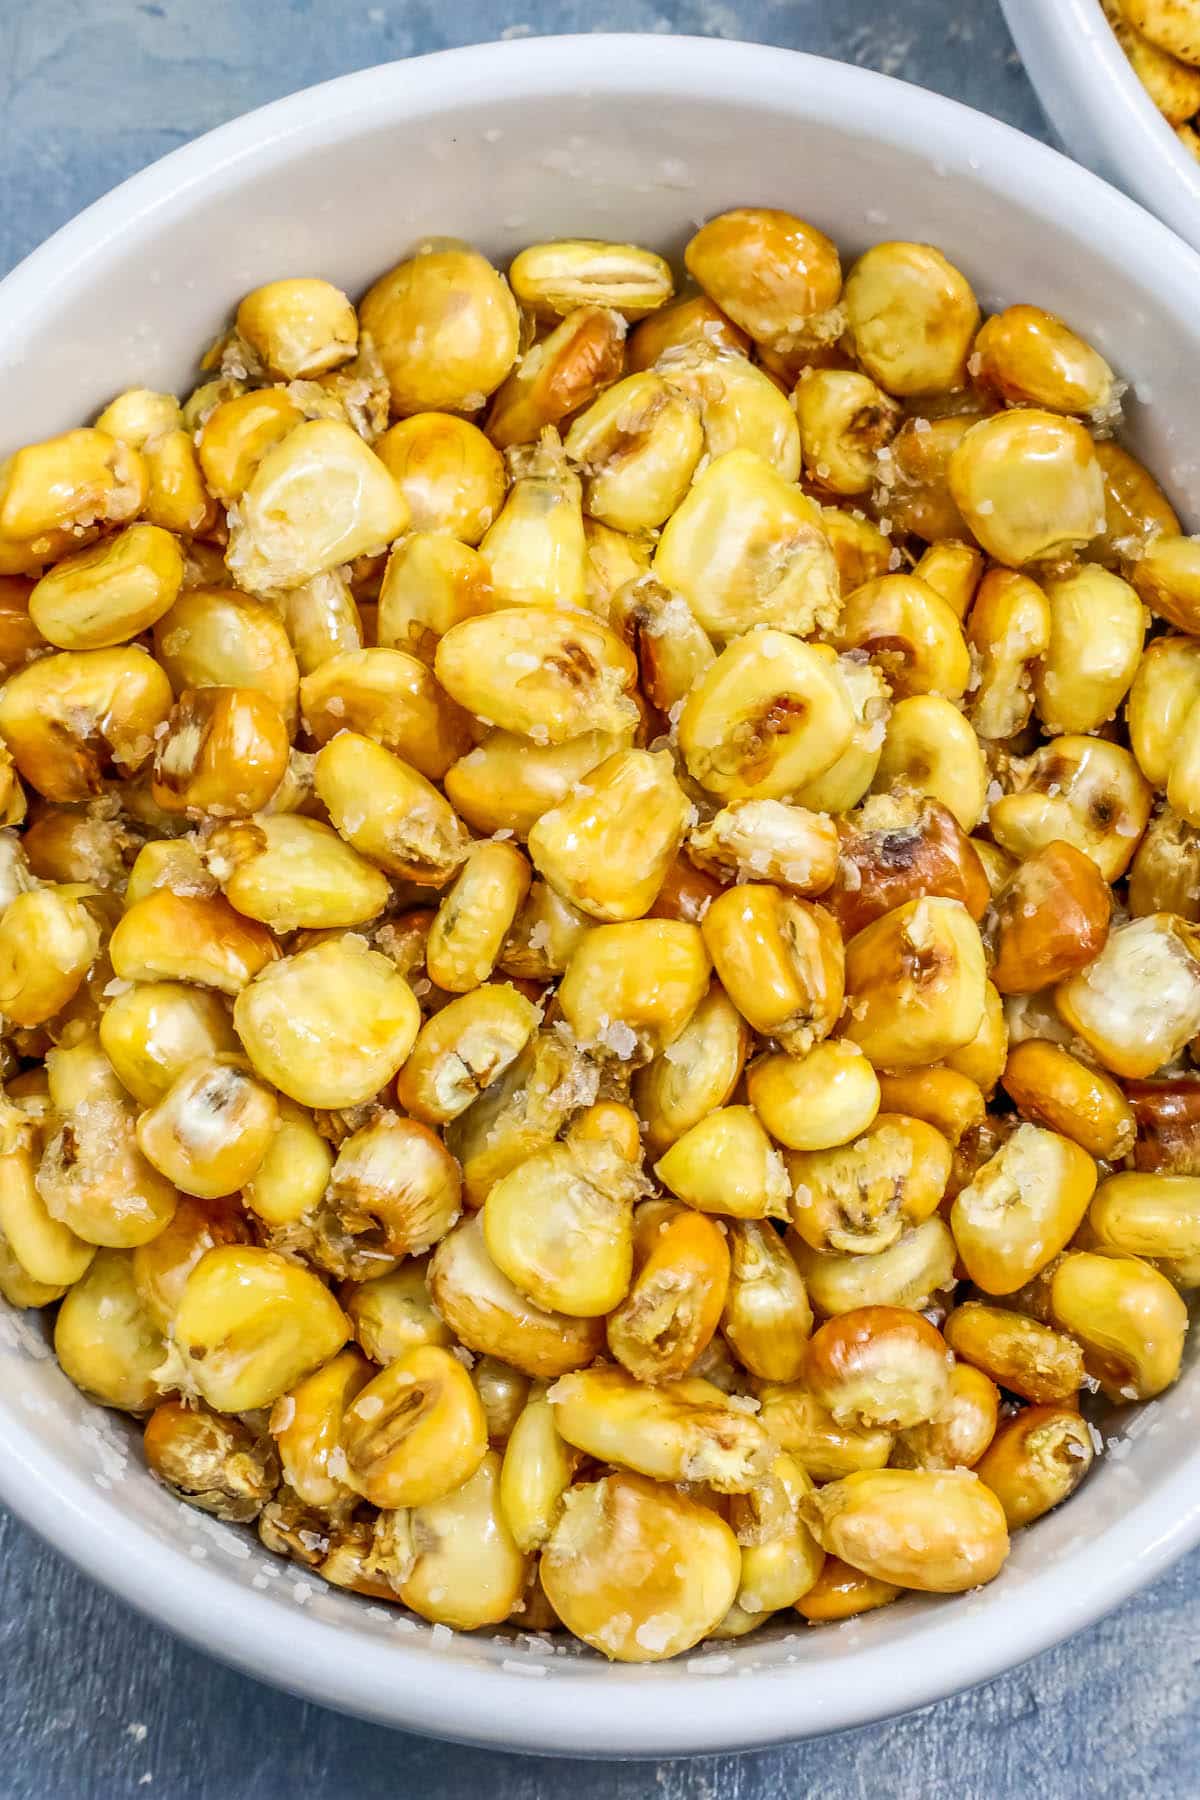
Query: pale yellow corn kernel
{"x": 1136, "y": 509}
{"x": 607, "y": 846}
{"x": 321, "y": 620}
{"x": 637, "y": 1570}
{"x": 390, "y": 697}
{"x": 1138, "y": 1214}
{"x": 1183, "y": 779}
{"x": 613, "y": 558}
{"x": 292, "y": 1176}
{"x": 963, "y": 1430}
{"x": 298, "y": 327}
{"x": 551, "y": 279}
{"x": 464, "y": 1569}
{"x": 685, "y": 325}
{"x": 953, "y": 570}
{"x": 1029, "y": 486}
{"x": 799, "y": 1424}
{"x": 746, "y": 548}
{"x": 1171, "y": 25}
{"x": 225, "y": 752}
{"x": 176, "y": 497}
{"x": 394, "y": 1312}
{"x": 998, "y": 866}
{"x": 726, "y": 1165}
{"x": 306, "y": 1425}
{"x": 293, "y": 873}
{"x": 189, "y": 937}
{"x": 860, "y": 549}
{"x": 1021, "y": 1208}
{"x": 250, "y": 1325}
{"x": 432, "y": 582}
{"x": 161, "y": 1267}
{"x": 103, "y": 596}
{"x": 945, "y": 1099}
{"x": 666, "y": 1323}
{"x": 521, "y": 1112}
{"x": 776, "y": 276}
{"x": 16, "y": 876}
{"x": 860, "y": 1196}
{"x": 917, "y": 1266}
{"x": 1138, "y": 1003}
{"x": 1019, "y": 1353}
{"x": 545, "y": 674}
{"x": 490, "y": 1316}
{"x": 1167, "y": 576}
{"x": 92, "y": 1176}
{"x": 139, "y": 414}
{"x": 845, "y": 420}
{"x": 545, "y": 935}
{"x": 780, "y": 961}
{"x": 910, "y": 632}
{"x": 1009, "y": 629}
{"x": 1128, "y": 1317}
{"x": 416, "y": 1431}
{"x": 210, "y": 1130}
{"x": 1165, "y": 689}
{"x": 445, "y": 326}
{"x": 815, "y": 1101}
{"x": 1031, "y": 358}
{"x": 536, "y": 551}
{"x": 740, "y": 407}
{"x": 767, "y": 1319}
{"x": 695, "y": 1073}
{"x": 940, "y": 1531}
{"x": 841, "y": 786}
{"x": 104, "y": 1341}
{"x": 929, "y": 749}
{"x": 472, "y": 922}
{"x": 1054, "y": 1088}
{"x": 213, "y": 637}
{"x": 221, "y": 1466}
{"x": 537, "y": 1471}
{"x": 13, "y": 803}
{"x": 562, "y": 372}
{"x": 388, "y": 811}
{"x": 328, "y": 1026}
{"x": 502, "y": 1393}
{"x": 911, "y": 317}
{"x": 781, "y": 1559}
{"x": 1083, "y": 790}
{"x": 462, "y": 1049}
{"x": 507, "y": 783}
{"x": 66, "y": 484}
{"x": 318, "y": 498}
{"x": 1035, "y": 1461}
{"x": 679, "y": 1431}
{"x": 560, "y": 1227}
{"x": 19, "y": 1288}
{"x": 879, "y": 1366}
{"x": 915, "y": 980}
{"x": 769, "y": 841}
{"x": 73, "y": 719}
{"x": 630, "y": 989}
{"x": 47, "y": 1251}
{"x": 238, "y": 433}
{"x": 637, "y": 447}
{"x": 768, "y": 718}
{"x": 1096, "y": 629}
{"x": 49, "y": 940}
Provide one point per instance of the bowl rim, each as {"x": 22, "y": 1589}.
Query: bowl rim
{"x": 1072, "y": 42}
{"x": 664, "y": 1710}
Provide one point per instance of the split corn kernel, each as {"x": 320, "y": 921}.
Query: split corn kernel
{"x": 553, "y": 278}
{"x": 220, "y": 1465}
{"x": 637, "y": 447}
{"x": 1083, "y": 790}
{"x": 1008, "y": 629}
{"x": 931, "y": 751}
{"x": 1138, "y": 1002}
{"x": 741, "y": 407}
{"x": 787, "y": 845}
{"x": 306, "y": 1425}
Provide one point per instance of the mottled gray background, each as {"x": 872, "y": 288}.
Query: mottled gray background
{"x": 94, "y": 1702}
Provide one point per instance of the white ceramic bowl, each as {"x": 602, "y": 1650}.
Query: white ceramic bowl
{"x": 1100, "y": 109}
{"x": 640, "y": 137}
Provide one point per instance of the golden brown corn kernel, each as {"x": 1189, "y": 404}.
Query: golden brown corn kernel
{"x": 607, "y": 846}
{"x": 637, "y": 1570}
{"x": 211, "y": 1129}
{"x": 695, "y": 324}
{"x": 740, "y": 406}
{"x": 92, "y": 845}
{"x": 544, "y": 935}
{"x": 468, "y": 932}
{"x": 293, "y": 873}
{"x": 1021, "y": 1208}
{"x": 667, "y": 1318}
{"x": 673, "y": 651}
{"x": 879, "y": 1365}
{"x": 695, "y": 1073}
{"x": 1138, "y": 1214}
{"x": 920, "y": 1263}
{"x": 176, "y": 497}
{"x": 815, "y": 1101}
{"x": 19, "y": 1288}
{"x": 562, "y": 372}
{"x": 306, "y": 1425}
{"x": 20, "y": 638}
{"x": 769, "y": 841}
{"x": 162, "y": 1266}
{"x": 1083, "y": 790}
{"x": 845, "y": 419}
{"x": 940, "y": 1531}
{"x": 445, "y": 327}
{"x": 799, "y": 1424}
{"x": 220, "y": 1465}
{"x": 105, "y": 1341}
{"x": 250, "y": 1325}
{"x": 911, "y": 317}
{"x": 637, "y": 447}
{"x": 1128, "y": 1318}
{"x": 64, "y": 485}
{"x": 841, "y": 1592}
{"x": 915, "y": 636}
{"x": 490, "y": 1316}
{"x": 1167, "y": 1114}
{"x": 388, "y": 811}
{"x": 1035, "y": 1461}
{"x": 686, "y": 893}
{"x": 390, "y": 697}
{"x": 914, "y": 494}
{"x": 1097, "y": 625}
{"x": 321, "y": 620}
{"x": 329, "y": 1026}
{"x": 560, "y": 1226}
{"x": 860, "y": 1196}
{"x": 507, "y": 782}
{"x": 74, "y": 718}
{"x": 536, "y": 550}
{"x": 1008, "y": 629}
{"x": 860, "y": 549}
{"x": 462, "y": 1050}
{"x": 630, "y": 989}
{"x": 225, "y": 752}
{"x": 727, "y": 1165}
{"x": 189, "y": 937}
{"x": 213, "y": 637}
{"x": 502, "y": 1393}
{"x": 766, "y": 1318}
{"x": 299, "y": 327}
{"x": 1018, "y": 1353}
{"x": 547, "y": 675}
{"x": 45, "y": 1249}
{"x": 458, "y": 1563}
{"x": 1135, "y": 507}
{"x": 953, "y": 570}
{"x": 49, "y": 939}
{"x": 780, "y": 1557}
{"x": 521, "y": 1112}
{"x": 1138, "y": 1002}
{"x": 773, "y": 274}
{"x": 916, "y": 982}
{"x": 1167, "y": 576}
{"x": 450, "y": 475}
{"x": 393, "y": 1191}
{"x": 1051, "y": 919}
{"x": 896, "y": 848}
{"x": 962, "y": 1431}
{"x": 238, "y": 433}
{"x": 431, "y": 583}
{"x": 931, "y": 752}
{"x": 779, "y": 960}
{"x": 680, "y": 1431}
{"x": 1031, "y": 358}
{"x": 981, "y": 1059}
{"x": 613, "y": 558}
{"x": 1028, "y": 485}
{"x": 416, "y": 1431}
{"x": 950, "y": 1102}
{"x": 536, "y": 1473}
{"x": 391, "y": 1313}
{"x": 771, "y": 716}
{"x": 746, "y": 548}
{"x": 103, "y": 596}
{"x": 172, "y": 863}
{"x": 843, "y": 784}
{"x": 139, "y": 414}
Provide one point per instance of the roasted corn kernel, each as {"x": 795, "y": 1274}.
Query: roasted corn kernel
{"x": 679, "y": 1431}
{"x": 912, "y": 317}
{"x": 1009, "y": 629}
{"x": 1138, "y": 1002}
{"x": 189, "y": 937}
{"x": 879, "y": 1365}
{"x": 940, "y": 1531}
{"x": 780, "y": 961}
{"x": 727, "y": 1165}
{"x": 1097, "y": 625}
{"x": 560, "y": 1227}
{"x": 217, "y": 1464}
{"x": 445, "y": 327}
{"x": 73, "y": 719}
{"x": 490, "y": 1316}
{"x": 1021, "y": 1208}
{"x": 915, "y": 982}
{"x": 105, "y": 1341}
{"x": 388, "y": 811}
{"x": 1018, "y": 1353}
{"x": 667, "y": 1318}
{"x": 860, "y": 1196}
{"x": 607, "y": 846}
{"x": 1082, "y": 790}
{"x": 211, "y": 1129}
{"x": 1128, "y": 1318}
{"x": 630, "y": 989}
{"x": 213, "y": 637}
{"x": 917, "y": 1266}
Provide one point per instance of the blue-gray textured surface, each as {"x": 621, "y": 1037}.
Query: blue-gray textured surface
{"x": 95, "y": 1703}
